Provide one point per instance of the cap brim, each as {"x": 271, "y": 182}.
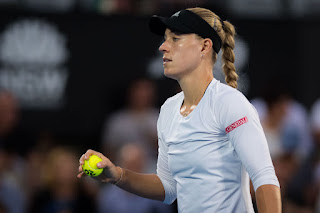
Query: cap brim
{"x": 158, "y": 25}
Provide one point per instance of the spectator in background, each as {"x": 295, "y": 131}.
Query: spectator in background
{"x": 285, "y": 122}
{"x": 277, "y": 108}
{"x": 115, "y": 200}
{"x": 35, "y": 157}
{"x": 137, "y": 122}
{"x": 304, "y": 187}
{"x": 9, "y": 115}
{"x": 62, "y": 192}
{"x": 12, "y": 196}
{"x": 9, "y": 119}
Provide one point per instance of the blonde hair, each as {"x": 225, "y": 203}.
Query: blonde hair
{"x": 226, "y": 32}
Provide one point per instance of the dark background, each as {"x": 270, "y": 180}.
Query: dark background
{"x": 108, "y": 51}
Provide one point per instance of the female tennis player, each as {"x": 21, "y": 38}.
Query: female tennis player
{"x": 210, "y": 137}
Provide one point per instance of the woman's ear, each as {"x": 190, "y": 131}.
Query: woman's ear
{"x": 206, "y": 46}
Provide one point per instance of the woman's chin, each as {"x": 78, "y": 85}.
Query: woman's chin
{"x": 169, "y": 74}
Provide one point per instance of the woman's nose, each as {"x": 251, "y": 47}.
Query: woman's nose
{"x": 164, "y": 47}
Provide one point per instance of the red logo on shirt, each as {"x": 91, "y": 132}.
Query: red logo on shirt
{"x": 236, "y": 124}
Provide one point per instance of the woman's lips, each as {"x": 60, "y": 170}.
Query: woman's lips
{"x": 166, "y": 60}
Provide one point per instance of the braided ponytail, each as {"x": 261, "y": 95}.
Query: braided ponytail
{"x": 226, "y": 32}
{"x": 228, "y": 58}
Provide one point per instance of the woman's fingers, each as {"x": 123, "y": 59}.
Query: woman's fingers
{"x": 88, "y": 153}
{"x": 103, "y": 164}
{"x": 80, "y": 174}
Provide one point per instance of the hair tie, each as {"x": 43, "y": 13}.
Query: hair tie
{"x": 222, "y": 24}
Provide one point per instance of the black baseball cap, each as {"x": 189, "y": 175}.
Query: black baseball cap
{"x": 185, "y": 22}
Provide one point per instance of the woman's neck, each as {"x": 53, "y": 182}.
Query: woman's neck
{"x": 194, "y": 87}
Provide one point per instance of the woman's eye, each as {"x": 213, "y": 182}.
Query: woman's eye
{"x": 175, "y": 39}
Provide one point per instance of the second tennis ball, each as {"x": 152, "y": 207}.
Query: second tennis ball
{"x": 90, "y": 166}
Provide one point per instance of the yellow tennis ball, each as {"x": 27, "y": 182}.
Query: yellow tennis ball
{"x": 90, "y": 166}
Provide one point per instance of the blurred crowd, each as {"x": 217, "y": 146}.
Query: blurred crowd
{"x": 137, "y": 7}
{"x": 43, "y": 179}
{"x": 292, "y": 132}
{"x": 247, "y": 8}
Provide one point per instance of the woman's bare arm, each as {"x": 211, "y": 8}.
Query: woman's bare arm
{"x": 144, "y": 185}
{"x": 268, "y": 199}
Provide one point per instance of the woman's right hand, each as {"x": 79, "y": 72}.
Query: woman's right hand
{"x": 110, "y": 174}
